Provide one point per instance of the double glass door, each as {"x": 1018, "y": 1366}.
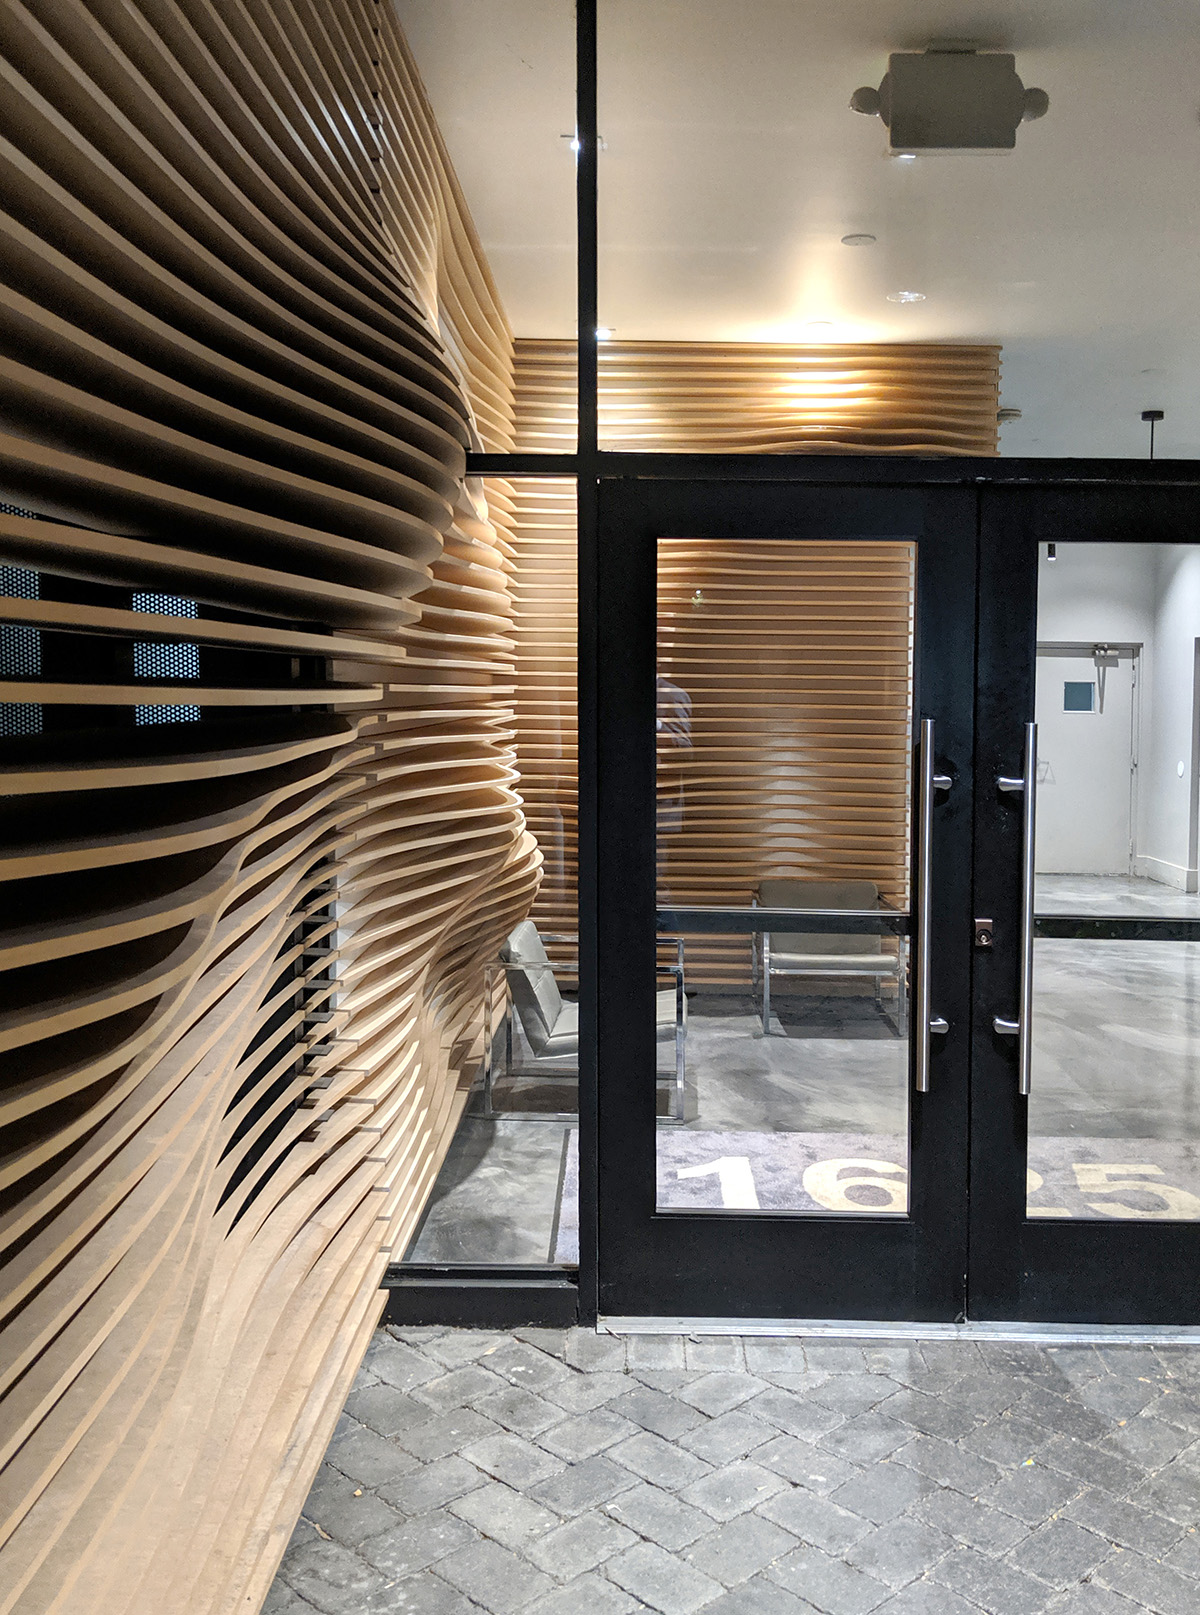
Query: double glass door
{"x": 898, "y": 1003}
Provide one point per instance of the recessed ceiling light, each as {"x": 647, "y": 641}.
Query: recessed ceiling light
{"x": 903, "y": 156}
{"x": 858, "y": 241}
{"x": 906, "y": 297}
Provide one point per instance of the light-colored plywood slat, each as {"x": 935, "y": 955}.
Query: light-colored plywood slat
{"x": 788, "y": 641}
{"x": 261, "y": 828}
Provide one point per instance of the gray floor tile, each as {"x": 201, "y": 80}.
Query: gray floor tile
{"x": 497, "y": 1511}
{"x": 659, "y": 1461}
{"x": 794, "y": 1414}
{"x": 1149, "y": 1582}
{"x": 522, "y": 1412}
{"x": 977, "y": 1524}
{"x": 1122, "y": 1522}
{"x": 417, "y": 1544}
{"x": 582, "y": 1486}
{"x": 900, "y": 1551}
{"x": 882, "y": 1491}
{"x": 827, "y": 1582}
{"x": 654, "y": 1410}
{"x": 1184, "y": 1556}
{"x": 1060, "y": 1552}
{"x": 348, "y": 1513}
{"x": 727, "y": 1437}
{"x": 513, "y": 1460}
{"x": 867, "y": 1438}
{"x": 660, "y": 1516}
{"x": 662, "y": 1580}
{"x": 431, "y": 1485}
{"x": 733, "y": 1490}
{"x": 330, "y": 1578}
{"x": 817, "y": 1520}
{"x": 423, "y": 1594}
{"x": 579, "y": 1545}
{"x": 369, "y": 1458}
{"x": 758, "y": 1596}
{"x": 493, "y": 1576}
{"x": 458, "y": 1387}
{"x": 718, "y": 1392}
{"x": 996, "y": 1587}
{"x": 805, "y": 1465}
{"x": 591, "y": 1593}
{"x": 517, "y": 1472}
{"x": 927, "y": 1598}
{"x": 740, "y": 1548}
{"x": 586, "y": 1434}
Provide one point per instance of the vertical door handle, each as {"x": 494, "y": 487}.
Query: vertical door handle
{"x": 1022, "y": 1027}
{"x": 926, "y": 1023}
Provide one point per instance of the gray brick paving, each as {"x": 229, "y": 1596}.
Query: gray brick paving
{"x": 553, "y": 1472}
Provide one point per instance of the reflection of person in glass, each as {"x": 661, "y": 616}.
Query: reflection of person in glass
{"x": 674, "y": 726}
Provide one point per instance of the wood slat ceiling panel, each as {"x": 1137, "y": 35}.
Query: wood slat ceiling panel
{"x": 258, "y": 792}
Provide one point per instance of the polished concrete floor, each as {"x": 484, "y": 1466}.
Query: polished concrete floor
{"x": 1116, "y": 1056}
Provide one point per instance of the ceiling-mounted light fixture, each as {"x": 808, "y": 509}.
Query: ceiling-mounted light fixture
{"x": 906, "y": 297}
{"x": 1005, "y": 415}
{"x": 1153, "y": 416}
{"x": 862, "y": 240}
{"x": 951, "y": 97}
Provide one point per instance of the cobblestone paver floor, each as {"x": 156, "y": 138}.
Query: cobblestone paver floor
{"x": 577, "y": 1474}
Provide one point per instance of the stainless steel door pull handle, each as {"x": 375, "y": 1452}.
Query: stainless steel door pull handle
{"x": 926, "y": 1023}
{"x": 1022, "y": 1027}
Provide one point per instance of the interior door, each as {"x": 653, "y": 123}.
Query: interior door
{"x": 1085, "y": 1135}
{"x": 784, "y": 793}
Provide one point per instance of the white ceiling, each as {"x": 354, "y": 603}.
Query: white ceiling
{"x": 733, "y": 167}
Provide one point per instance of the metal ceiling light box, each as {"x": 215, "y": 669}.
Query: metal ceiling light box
{"x": 951, "y": 98}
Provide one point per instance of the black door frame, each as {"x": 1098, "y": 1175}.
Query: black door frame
{"x": 749, "y": 1265}
{"x": 494, "y": 1295}
{"x": 1060, "y": 1271}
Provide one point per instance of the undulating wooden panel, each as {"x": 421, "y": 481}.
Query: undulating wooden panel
{"x": 784, "y": 735}
{"x": 544, "y": 629}
{"x": 730, "y": 398}
{"x": 765, "y": 397}
{"x": 257, "y": 786}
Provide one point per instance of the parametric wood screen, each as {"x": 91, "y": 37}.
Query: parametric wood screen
{"x": 900, "y": 398}
{"x": 260, "y": 825}
{"x": 784, "y": 744}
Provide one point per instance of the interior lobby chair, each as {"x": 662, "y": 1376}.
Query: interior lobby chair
{"x": 818, "y": 954}
{"x": 551, "y": 1025}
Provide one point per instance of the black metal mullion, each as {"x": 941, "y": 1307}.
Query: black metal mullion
{"x": 587, "y": 588}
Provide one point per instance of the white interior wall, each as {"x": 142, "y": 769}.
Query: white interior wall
{"x": 1147, "y": 594}
{"x": 1092, "y": 593}
{"x": 1167, "y": 784}
{"x": 1098, "y": 592}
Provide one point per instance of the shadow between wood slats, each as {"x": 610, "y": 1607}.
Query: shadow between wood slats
{"x": 248, "y": 334}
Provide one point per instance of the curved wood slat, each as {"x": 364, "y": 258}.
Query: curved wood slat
{"x": 246, "y": 335}
{"x": 810, "y": 618}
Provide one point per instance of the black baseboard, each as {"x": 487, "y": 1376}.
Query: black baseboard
{"x": 465, "y": 1298}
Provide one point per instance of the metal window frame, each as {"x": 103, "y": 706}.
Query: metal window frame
{"x": 588, "y": 466}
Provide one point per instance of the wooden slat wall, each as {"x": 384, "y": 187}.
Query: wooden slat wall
{"x": 731, "y": 397}
{"x": 721, "y": 397}
{"x": 247, "y": 335}
{"x": 795, "y": 659}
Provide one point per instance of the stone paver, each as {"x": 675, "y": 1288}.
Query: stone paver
{"x": 561, "y": 1472}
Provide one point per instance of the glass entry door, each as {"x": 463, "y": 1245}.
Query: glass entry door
{"x": 784, "y": 792}
{"x": 1086, "y": 1061}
